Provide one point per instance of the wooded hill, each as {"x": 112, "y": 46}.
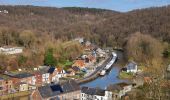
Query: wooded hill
{"x": 104, "y": 27}
{"x": 144, "y": 34}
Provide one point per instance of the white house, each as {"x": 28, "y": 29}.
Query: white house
{"x": 168, "y": 69}
{"x": 132, "y": 67}
{"x": 11, "y": 50}
{"x": 56, "y": 73}
{"x": 45, "y": 78}
{"x": 80, "y": 40}
{"x": 95, "y": 94}
{"x": 100, "y": 52}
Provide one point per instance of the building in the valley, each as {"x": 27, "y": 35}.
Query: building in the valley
{"x": 56, "y": 73}
{"x": 79, "y": 63}
{"x": 21, "y": 80}
{"x": 38, "y": 77}
{"x": 95, "y": 94}
{"x": 100, "y": 52}
{"x": 92, "y": 59}
{"x": 76, "y": 69}
{"x": 132, "y": 67}
{"x": 11, "y": 50}
{"x": 70, "y": 72}
{"x": 6, "y": 85}
{"x": 25, "y": 77}
{"x": 45, "y": 74}
{"x": 119, "y": 90}
{"x": 80, "y": 40}
{"x": 69, "y": 90}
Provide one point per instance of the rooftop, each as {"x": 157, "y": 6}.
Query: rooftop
{"x": 22, "y": 75}
{"x": 56, "y": 89}
{"x": 131, "y": 65}
{"x": 93, "y": 91}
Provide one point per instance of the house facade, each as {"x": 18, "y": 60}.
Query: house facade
{"x": 95, "y": 94}
{"x": 119, "y": 90}
{"x": 6, "y": 85}
{"x": 45, "y": 78}
{"x": 38, "y": 77}
{"x": 56, "y": 73}
{"x": 132, "y": 67}
{"x": 11, "y": 50}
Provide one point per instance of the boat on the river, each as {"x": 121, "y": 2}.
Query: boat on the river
{"x": 103, "y": 72}
{"x": 113, "y": 60}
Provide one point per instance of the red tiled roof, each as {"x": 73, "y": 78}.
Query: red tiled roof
{"x": 79, "y": 63}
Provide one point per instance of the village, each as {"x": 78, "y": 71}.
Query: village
{"x": 56, "y": 83}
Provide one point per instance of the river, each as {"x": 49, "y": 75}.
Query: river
{"x": 109, "y": 78}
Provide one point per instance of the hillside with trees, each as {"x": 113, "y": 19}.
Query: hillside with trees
{"x": 39, "y": 29}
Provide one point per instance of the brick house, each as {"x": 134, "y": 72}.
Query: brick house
{"x": 22, "y": 80}
{"x": 6, "y": 85}
{"x": 38, "y": 77}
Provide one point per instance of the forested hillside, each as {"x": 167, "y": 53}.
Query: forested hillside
{"x": 103, "y": 27}
{"x": 142, "y": 33}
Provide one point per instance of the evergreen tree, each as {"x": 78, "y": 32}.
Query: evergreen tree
{"x": 49, "y": 59}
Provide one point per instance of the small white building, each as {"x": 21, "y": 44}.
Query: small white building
{"x": 168, "y": 69}
{"x": 80, "y": 40}
{"x": 88, "y": 43}
{"x": 11, "y": 50}
{"x": 95, "y": 94}
{"x": 45, "y": 78}
{"x": 101, "y": 52}
{"x": 132, "y": 67}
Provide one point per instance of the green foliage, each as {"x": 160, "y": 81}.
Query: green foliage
{"x": 49, "y": 59}
{"x": 22, "y": 59}
{"x": 166, "y": 53}
{"x": 125, "y": 75}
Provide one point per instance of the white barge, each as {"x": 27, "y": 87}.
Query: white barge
{"x": 109, "y": 65}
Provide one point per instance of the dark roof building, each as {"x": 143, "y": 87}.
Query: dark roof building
{"x": 93, "y": 91}
{"x": 22, "y": 75}
{"x": 49, "y": 91}
{"x": 51, "y": 70}
{"x": 53, "y": 92}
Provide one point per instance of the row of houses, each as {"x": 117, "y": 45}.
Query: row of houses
{"x": 11, "y": 82}
{"x": 70, "y": 90}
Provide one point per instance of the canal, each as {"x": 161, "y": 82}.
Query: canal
{"x": 110, "y": 78}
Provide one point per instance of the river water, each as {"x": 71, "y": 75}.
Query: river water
{"x": 109, "y": 78}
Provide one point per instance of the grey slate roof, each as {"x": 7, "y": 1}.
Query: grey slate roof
{"x": 114, "y": 87}
{"x": 22, "y": 75}
{"x": 93, "y": 91}
{"x": 54, "y": 90}
{"x": 131, "y": 65}
{"x": 48, "y": 91}
{"x": 51, "y": 70}
{"x": 69, "y": 86}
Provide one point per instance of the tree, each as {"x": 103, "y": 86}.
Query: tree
{"x": 3, "y": 63}
{"x": 145, "y": 49}
{"x": 49, "y": 59}
{"x": 27, "y": 38}
{"x": 22, "y": 60}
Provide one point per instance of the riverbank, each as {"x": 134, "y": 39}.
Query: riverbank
{"x": 96, "y": 73}
{"x": 109, "y": 78}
